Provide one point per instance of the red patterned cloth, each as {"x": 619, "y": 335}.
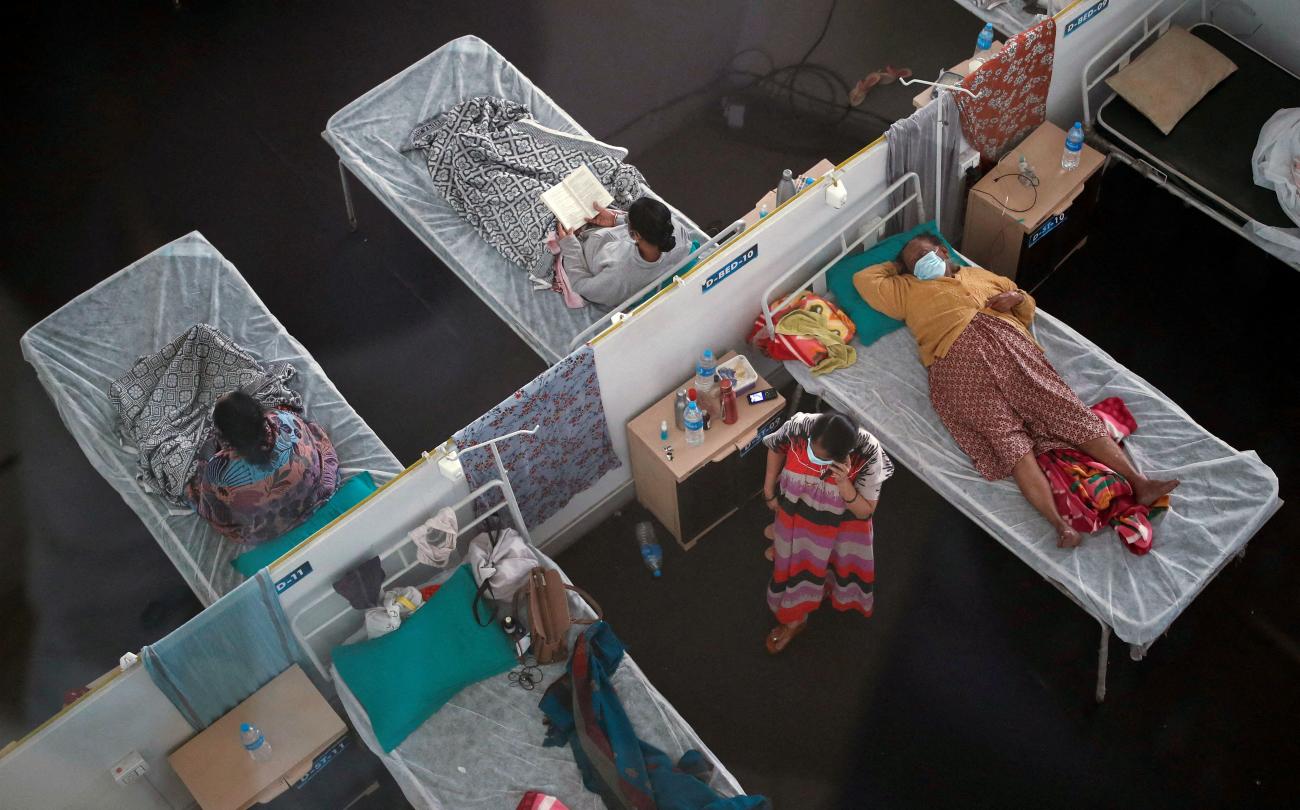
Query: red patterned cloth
{"x": 1089, "y": 495}
{"x": 1001, "y": 399}
{"x": 1012, "y": 92}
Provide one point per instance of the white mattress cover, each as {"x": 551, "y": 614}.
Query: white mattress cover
{"x": 367, "y": 135}
{"x": 1225, "y": 497}
{"x": 96, "y": 337}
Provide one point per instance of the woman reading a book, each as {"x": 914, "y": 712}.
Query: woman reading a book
{"x": 615, "y": 255}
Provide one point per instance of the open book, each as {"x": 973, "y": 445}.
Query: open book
{"x": 574, "y": 199}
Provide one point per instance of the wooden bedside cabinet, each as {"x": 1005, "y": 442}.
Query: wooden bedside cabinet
{"x": 1023, "y": 232}
{"x": 298, "y": 723}
{"x": 704, "y": 485}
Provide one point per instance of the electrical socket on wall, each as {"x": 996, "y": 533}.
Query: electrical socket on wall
{"x": 129, "y": 768}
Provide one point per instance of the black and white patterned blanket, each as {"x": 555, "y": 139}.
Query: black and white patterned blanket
{"x": 164, "y": 403}
{"x": 491, "y": 161}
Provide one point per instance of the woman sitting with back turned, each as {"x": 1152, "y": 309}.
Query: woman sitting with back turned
{"x": 990, "y": 383}
{"x": 270, "y": 471}
{"x": 608, "y": 263}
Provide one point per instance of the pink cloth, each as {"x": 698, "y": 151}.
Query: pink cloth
{"x": 1012, "y": 92}
{"x": 571, "y": 299}
{"x": 533, "y": 800}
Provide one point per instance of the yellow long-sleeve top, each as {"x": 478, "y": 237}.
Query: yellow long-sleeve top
{"x": 938, "y": 310}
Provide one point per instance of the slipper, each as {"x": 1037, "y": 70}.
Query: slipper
{"x": 864, "y": 86}
{"x": 782, "y": 635}
{"x": 897, "y": 73}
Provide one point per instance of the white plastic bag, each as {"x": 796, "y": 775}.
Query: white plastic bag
{"x": 381, "y": 621}
{"x": 504, "y": 566}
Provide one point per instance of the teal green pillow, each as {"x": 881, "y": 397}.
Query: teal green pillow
{"x": 355, "y": 490}
{"x": 870, "y": 324}
{"x": 402, "y": 678}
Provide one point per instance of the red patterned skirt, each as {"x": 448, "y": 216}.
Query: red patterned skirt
{"x": 1001, "y": 400}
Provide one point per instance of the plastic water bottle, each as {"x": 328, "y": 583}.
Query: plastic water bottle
{"x": 762, "y": 211}
{"x": 704, "y": 372}
{"x": 1073, "y": 148}
{"x": 786, "y": 188}
{"x": 694, "y": 424}
{"x": 651, "y": 553}
{"x": 254, "y": 742}
{"x": 985, "y": 40}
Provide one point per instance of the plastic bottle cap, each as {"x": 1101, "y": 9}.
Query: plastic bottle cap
{"x": 708, "y": 354}
{"x": 245, "y": 727}
{"x": 690, "y": 394}
{"x": 658, "y": 573}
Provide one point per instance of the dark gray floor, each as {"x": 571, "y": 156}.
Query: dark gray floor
{"x": 970, "y": 686}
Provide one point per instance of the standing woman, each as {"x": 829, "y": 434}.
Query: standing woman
{"x": 824, "y": 475}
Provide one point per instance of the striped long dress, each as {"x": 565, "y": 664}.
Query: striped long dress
{"x": 821, "y": 548}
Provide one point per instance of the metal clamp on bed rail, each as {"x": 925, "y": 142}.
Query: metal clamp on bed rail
{"x": 1151, "y": 172}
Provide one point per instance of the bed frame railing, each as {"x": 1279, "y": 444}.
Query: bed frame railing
{"x": 403, "y": 552}
{"x": 782, "y": 282}
{"x": 620, "y": 312}
{"x": 1150, "y": 31}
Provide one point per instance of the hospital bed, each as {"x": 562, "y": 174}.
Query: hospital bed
{"x": 483, "y": 749}
{"x": 96, "y": 337}
{"x": 367, "y": 135}
{"x": 1206, "y": 159}
{"x": 1225, "y": 497}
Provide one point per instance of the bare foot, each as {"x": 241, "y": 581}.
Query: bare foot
{"x": 1067, "y": 537}
{"x": 768, "y": 533}
{"x": 770, "y": 554}
{"x": 1148, "y": 491}
{"x": 782, "y": 635}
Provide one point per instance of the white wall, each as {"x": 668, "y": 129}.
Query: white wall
{"x": 1274, "y": 29}
{"x": 66, "y": 763}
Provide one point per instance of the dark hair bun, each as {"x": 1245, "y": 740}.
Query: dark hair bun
{"x": 652, "y": 219}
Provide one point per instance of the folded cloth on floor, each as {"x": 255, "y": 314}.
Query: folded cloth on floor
{"x": 164, "y": 403}
{"x": 491, "y": 161}
{"x": 1089, "y": 495}
{"x": 583, "y": 710}
{"x": 570, "y": 452}
{"x": 807, "y": 323}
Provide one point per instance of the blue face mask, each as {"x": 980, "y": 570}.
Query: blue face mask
{"x": 930, "y": 266}
{"x": 820, "y": 462}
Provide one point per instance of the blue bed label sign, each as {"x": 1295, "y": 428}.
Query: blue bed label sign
{"x": 1046, "y": 228}
{"x": 292, "y": 578}
{"x": 1085, "y": 17}
{"x": 321, "y": 761}
{"x": 729, "y": 268}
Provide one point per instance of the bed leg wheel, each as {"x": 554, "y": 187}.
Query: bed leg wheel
{"x": 1137, "y": 652}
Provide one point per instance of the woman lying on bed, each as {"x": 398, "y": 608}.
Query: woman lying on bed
{"x": 270, "y": 470}
{"x": 617, "y": 255}
{"x": 990, "y": 383}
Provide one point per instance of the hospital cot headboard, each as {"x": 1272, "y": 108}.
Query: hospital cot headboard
{"x": 785, "y": 280}
{"x": 328, "y": 620}
{"x": 1151, "y": 30}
